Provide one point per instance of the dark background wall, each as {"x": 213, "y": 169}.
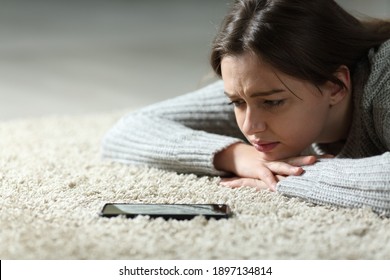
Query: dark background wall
{"x": 89, "y": 56}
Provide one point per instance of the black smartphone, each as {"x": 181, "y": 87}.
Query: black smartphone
{"x": 167, "y": 211}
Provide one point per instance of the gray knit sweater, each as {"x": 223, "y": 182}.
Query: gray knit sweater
{"x": 183, "y": 134}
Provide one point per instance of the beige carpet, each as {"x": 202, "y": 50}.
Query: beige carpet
{"x": 54, "y": 183}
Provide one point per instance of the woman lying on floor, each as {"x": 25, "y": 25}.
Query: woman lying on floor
{"x": 303, "y": 108}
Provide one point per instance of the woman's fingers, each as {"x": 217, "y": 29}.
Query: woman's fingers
{"x": 326, "y": 156}
{"x": 281, "y": 168}
{"x": 306, "y": 160}
{"x": 270, "y": 170}
{"x": 302, "y": 160}
{"x": 265, "y": 175}
{"x": 237, "y": 182}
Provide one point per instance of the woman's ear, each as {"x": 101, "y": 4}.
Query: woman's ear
{"x": 337, "y": 93}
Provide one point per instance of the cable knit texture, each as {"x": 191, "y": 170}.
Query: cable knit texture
{"x": 184, "y": 133}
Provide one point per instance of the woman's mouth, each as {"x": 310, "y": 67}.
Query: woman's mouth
{"x": 265, "y": 147}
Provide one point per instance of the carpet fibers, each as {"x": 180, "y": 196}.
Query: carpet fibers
{"x": 53, "y": 184}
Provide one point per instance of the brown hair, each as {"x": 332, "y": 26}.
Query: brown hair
{"x": 307, "y": 39}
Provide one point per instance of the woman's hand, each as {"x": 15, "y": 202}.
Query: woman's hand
{"x": 237, "y": 182}
{"x": 244, "y": 161}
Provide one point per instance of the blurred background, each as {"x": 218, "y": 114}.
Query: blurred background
{"x": 90, "y": 56}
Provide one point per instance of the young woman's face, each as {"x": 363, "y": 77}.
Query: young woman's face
{"x": 280, "y": 115}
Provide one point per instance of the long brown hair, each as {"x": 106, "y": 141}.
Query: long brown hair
{"x": 307, "y": 39}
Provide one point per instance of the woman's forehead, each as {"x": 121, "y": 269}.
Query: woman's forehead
{"x": 247, "y": 71}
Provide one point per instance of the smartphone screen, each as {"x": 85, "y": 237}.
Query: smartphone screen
{"x": 167, "y": 211}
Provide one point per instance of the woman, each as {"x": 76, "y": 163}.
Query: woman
{"x": 303, "y": 109}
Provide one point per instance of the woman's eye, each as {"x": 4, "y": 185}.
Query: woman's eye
{"x": 236, "y": 103}
{"x": 268, "y": 104}
{"x": 273, "y": 103}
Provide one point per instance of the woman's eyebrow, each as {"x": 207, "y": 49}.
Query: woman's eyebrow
{"x": 266, "y": 93}
{"x": 258, "y": 94}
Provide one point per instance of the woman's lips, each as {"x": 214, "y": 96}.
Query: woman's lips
{"x": 265, "y": 147}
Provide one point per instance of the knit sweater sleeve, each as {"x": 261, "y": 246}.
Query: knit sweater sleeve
{"x": 181, "y": 134}
{"x": 362, "y": 181}
{"x": 344, "y": 182}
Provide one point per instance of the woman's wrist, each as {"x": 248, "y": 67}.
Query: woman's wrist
{"x": 225, "y": 160}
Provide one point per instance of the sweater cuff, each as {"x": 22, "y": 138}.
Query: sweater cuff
{"x": 199, "y": 159}
{"x": 319, "y": 189}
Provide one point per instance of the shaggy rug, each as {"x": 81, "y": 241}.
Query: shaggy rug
{"x": 54, "y": 183}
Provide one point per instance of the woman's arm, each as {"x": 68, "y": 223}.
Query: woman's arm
{"x": 349, "y": 182}
{"x": 245, "y": 162}
{"x": 344, "y": 182}
{"x": 180, "y": 134}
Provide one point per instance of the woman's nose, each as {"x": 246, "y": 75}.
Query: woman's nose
{"x": 253, "y": 123}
